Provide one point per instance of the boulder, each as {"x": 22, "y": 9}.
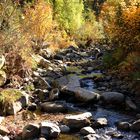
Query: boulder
{"x": 16, "y": 106}
{"x": 13, "y": 108}
{"x": 100, "y": 122}
{"x": 71, "y": 84}
{"x": 123, "y": 126}
{"x": 30, "y": 131}
{"x": 68, "y": 83}
{"x": 113, "y": 97}
{"x": 54, "y": 93}
{"x": 87, "y": 130}
{"x": 135, "y": 126}
{"x": 86, "y": 95}
{"x": 78, "y": 121}
{"x": 53, "y": 107}
{"x": 64, "y": 128}
{"x": 14, "y": 101}
{"x": 49, "y": 129}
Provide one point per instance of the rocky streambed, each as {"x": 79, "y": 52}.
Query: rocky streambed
{"x": 73, "y": 98}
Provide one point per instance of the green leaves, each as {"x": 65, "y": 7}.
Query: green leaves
{"x": 69, "y": 14}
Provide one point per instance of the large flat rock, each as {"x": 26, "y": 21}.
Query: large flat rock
{"x": 71, "y": 84}
{"x": 78, "y": 121}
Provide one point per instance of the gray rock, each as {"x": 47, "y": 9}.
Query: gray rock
{"x": 135, "y": 126}
{"x": 54, "y": 93}
{"x": 49, "y": 129}
{"x": 15, "y": 107}
{"x": 30, "y": 131}
{"x": 123, "y": 126}
{"x": 100, "y": 122}
{"x": 53, "y": 107}
{"x": 78, "y": 121}
{"x": 86, "y": 95}
{"x": 113, "y": 97}
{"x": 64, "y": 128}
{"x": 87, "y": 130}
{"x": 4, "y": 130}
{"x": 68, "y": 83}
{"x": 130, "y": 104}
{"x": 71, "y": 84}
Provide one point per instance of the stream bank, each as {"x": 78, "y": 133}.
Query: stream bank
{"x": 73, "y": 83}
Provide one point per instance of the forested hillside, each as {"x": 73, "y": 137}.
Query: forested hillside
{"x": 66, "y": 66}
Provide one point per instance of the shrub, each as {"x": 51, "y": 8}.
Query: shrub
{"x": 14, "y": 41}
{"x": 122, "y": 21}
{"x": 7, "y": 97}
{"x": 69, "y": 14}
{"x": 91, "y": 29}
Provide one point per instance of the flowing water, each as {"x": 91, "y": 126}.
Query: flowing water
{"x": 112, "y": 115}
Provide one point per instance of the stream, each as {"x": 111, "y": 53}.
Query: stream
{"x": 113, "y": 116}
{"x": 78, "y": 83}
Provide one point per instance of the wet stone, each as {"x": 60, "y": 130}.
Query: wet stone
{"x": 100, "y": 122}
{"x": 53, "y": 107}
{"x": 135, "y": 126}
{"x": 87, "y": 130}
{"x": 123, "y": 126}
{"x": 64, "y": 128}
{"x": 78, "y": 121}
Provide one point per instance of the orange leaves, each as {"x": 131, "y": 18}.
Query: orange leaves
{"x": 122, "y": 25}
{"x": 38, "y": 19}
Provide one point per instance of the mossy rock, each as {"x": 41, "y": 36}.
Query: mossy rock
{"x": 12, "y": 101}
{"x": 10, "y": 95}
{"x": 2, "y": 78}
{"x": 86, "y": 76}
{"x": 74, "y": 69}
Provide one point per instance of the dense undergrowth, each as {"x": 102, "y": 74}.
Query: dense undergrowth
{"x": 25, "y": 26}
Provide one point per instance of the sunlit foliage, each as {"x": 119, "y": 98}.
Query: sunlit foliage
{"x": 69, "y": 14}
{"x": 122, "y": 26}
